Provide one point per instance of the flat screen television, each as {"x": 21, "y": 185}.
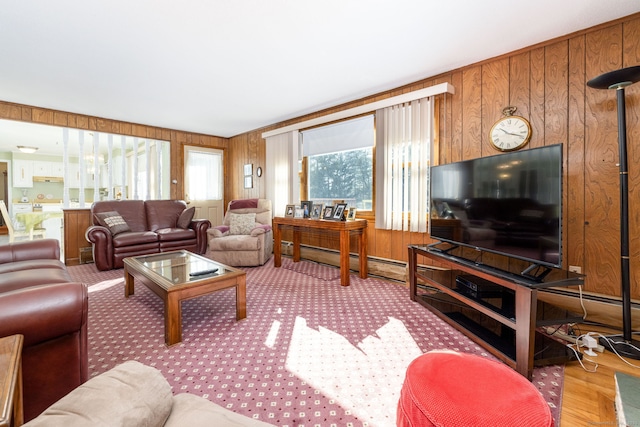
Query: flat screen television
{"x": 508, "y": 204}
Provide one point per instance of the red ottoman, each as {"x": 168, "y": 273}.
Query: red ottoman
{"x": 457, "y": 389}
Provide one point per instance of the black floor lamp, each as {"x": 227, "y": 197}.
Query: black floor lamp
{"x": 618, "y": 80}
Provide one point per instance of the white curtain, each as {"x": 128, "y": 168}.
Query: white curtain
{"x": 403, "y": 147}
{"x": 281, "y": 170}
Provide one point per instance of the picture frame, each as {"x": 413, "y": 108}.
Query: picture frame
{"x": 338, "y": 213}
{"x": 316, "y": 210}
{"x": 289, "y": 211}
{"x": 299, "y": 213}
{"x": 351, "y": 215}
{"x": 248, "y": 169}
{"x": 327, "y": 212}
{"x": 306, "y": 206}
{"x": 248, "y": 182}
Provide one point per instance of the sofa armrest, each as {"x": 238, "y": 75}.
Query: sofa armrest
{"x": 45, "y": 312}
{"x": 201, "y": 226}
{"x": 30, "y": 250}
{"x": 102, "y": 246}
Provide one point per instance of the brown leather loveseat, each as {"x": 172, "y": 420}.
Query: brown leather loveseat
{"x": 125, "y": 228}
{"x": 39, "y": 300}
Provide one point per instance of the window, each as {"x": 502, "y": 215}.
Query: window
{"x": 346, "y": 175}
{"x": 340, "y": 162}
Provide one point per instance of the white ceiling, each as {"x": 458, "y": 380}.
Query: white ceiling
{"x": 228, "y": 67}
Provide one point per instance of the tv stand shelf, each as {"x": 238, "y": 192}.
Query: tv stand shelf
{"x": 497, "y": 309}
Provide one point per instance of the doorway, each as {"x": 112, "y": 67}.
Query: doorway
{"x": 204, "y": 182}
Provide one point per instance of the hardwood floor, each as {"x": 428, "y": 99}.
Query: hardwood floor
{"x": 588, "y": 397}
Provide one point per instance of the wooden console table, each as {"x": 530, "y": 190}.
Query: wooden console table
{"x": 11, "y": 381}
{"x": 322, "y": 226}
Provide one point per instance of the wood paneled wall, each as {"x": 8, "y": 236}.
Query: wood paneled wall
{"x": 547, "y": 83}
{"x": 178, "y": 139}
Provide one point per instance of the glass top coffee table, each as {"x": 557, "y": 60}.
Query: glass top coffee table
{"x": 181, "y": 275}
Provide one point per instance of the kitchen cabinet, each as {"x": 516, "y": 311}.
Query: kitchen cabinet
{"x": 42, "y": 168}
{"x": 22, "y": 173}
{"x": 73, "y": 175}
{"x": 57, "y": 169}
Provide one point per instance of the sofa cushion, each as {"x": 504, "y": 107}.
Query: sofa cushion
{"x": 192, "y": 410}
{"x": 237, "y": 242}
{"x": 31, "y": 265}
{"x": 134, "y": 238}
{"x": 163, "y": 213}
{"x": 113, "y": 221}
{"x": 241, "y": 223}
{"x": 132, "y": 211}
{"x": 128, "y": 395}
{"x": 172, "y": 234}
{"x": 26, "y": 278}
{"x": 184, "y": 220}
{"x": 262, "y": 209}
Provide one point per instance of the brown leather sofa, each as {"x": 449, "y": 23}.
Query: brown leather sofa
{"x": 150, "y": 226}
{"x": 39, "y": 300}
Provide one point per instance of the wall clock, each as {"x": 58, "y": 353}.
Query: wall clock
{"x": 510, "y": 132}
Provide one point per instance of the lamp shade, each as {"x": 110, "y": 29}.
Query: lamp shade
{"x": 615, "y": 79}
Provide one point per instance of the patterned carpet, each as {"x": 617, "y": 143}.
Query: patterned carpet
{"x": 309, "y": 353}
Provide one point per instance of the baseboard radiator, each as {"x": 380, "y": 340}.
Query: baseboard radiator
{"x": 601, "y": 309}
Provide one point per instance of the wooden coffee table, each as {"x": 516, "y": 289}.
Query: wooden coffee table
{"x": 181, "y": 275}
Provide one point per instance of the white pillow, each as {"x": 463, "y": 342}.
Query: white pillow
{"x": 242, "y": 223}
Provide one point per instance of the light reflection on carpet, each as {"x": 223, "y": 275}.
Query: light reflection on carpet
{"x": 311, "y": 352}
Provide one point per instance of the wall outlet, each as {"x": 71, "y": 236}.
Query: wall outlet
{"x": 575, "y": 269}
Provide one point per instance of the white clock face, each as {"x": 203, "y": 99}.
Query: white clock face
{"x": 510, "y": 133}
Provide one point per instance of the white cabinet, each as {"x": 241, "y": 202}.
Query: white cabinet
{"x": 42, "y": 168}
{"x": 22, "y": 173}
{"x": 74, "y": 175}
{"x": 46, "y": 168}
{"x": 57, "y": 169}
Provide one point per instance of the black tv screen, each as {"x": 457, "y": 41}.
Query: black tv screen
{"x": 509, "y": 204}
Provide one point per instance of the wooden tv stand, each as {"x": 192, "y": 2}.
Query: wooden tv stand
{"x": 497, "y": 309}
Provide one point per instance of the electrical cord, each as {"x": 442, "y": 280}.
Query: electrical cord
{"x": 612, "y": 348}
{"x": 577, "y": 353}
{"x": 584, "y": 309}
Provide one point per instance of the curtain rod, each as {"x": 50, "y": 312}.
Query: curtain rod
{"x": 366, "y": 108}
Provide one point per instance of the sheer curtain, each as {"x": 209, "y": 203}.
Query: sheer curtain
{"x": 203, "y": 167}
{"x": 281, "y": 170}
{"x": 403, "y": 148}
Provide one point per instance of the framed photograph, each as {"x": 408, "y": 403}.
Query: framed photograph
{"x": 306, "y": 206}
{"x": 299, "y": 212}
{"x": 338, "y": 213}
{"x": 248, "y": 182}
{"x": 289, "y": 211}
{"x": 248, "y": 169}
{"x": 328, "y": 212}
{"x": 316, "y": 211}
{"x": 352, "y": 214}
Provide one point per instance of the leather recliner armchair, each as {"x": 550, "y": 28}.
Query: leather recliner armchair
{"x": 39, "y": 300}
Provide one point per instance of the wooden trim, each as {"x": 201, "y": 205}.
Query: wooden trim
{"x": 372, "y": 106}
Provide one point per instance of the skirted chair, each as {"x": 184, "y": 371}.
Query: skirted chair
{"x": 245, "y": 238}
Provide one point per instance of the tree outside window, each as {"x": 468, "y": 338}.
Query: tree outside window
{"x": 345, "y": 175}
